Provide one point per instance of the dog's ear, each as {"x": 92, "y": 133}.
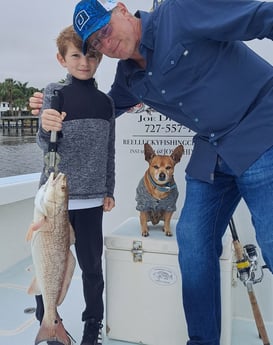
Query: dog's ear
{"x": 148, "y": 152}
{"x": 177, "y": 153}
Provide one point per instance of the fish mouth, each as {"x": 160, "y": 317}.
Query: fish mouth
{"x": 54, "y": 180}
{"x": 57, "y": 177}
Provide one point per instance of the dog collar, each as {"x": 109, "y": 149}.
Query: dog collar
{"x": 165, "y": 188}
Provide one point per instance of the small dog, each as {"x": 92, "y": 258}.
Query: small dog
{"x": 157, "y": 193}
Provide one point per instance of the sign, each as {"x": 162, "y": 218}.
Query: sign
{"x": 162, "y": 133}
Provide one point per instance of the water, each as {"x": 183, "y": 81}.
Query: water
{"x": 19, "y": 153}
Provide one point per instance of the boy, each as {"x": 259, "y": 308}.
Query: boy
{"x": 86, "y": 148}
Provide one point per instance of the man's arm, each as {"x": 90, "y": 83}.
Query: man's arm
{"x": 227, "y": 20}
{"x": 120, "y": 92}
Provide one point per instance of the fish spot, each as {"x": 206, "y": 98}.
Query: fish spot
{"x": 29, "y": 310}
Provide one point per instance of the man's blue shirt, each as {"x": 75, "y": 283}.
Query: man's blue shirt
{"x": 200, "y": 74}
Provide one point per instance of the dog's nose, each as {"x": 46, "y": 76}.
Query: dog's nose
{"x": 162, "y": 176}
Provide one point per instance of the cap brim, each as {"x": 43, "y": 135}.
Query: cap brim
{"x": 101, "y": 22}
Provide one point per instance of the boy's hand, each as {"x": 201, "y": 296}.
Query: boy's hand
{"x": 52, "y": 120}
{"x": 36, "y": 102}
{"x": 108, "y": 204}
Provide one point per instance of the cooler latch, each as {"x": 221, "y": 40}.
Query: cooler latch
{"x": 137, "y": 251}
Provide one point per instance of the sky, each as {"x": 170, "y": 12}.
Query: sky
{"x": 28, "y": 30}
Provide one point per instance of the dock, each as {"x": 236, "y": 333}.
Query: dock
{"x": 20, "y": 123}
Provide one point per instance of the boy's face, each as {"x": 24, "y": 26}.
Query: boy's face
{"x": 81, "y": 66}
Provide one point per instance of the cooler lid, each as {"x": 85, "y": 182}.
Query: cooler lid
{"x": 123, "y": 237}
{"x": 126, "y": 233}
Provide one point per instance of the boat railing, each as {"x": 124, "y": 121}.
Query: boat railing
{"x": 16, "y": 212}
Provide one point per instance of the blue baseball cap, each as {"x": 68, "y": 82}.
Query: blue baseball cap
{"x": 90, "y": 16}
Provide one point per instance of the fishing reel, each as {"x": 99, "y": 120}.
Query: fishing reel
{"x": 248, "y": 269}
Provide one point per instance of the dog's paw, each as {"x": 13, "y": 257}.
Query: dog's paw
{"x": 167, "y": 233}
{"x": 145, "y": 234}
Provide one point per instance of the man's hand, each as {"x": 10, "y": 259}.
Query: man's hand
{"x": 36, "y": 102}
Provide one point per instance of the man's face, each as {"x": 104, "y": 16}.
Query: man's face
{"x": 117, "y": 39}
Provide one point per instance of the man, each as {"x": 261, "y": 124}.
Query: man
{"x": 186, "y": 60}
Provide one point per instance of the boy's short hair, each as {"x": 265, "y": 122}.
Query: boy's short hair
{"x": 69, "y": 35}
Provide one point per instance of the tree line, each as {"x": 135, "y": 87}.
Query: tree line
{"x": 16, "y": 94}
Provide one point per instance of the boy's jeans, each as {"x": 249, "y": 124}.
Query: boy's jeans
{"x": 203, "y": 221}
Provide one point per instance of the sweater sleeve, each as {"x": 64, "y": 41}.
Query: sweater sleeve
{"x": 110, "y": 180}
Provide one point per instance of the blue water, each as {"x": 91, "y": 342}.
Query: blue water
{"x": 19, "y": 154}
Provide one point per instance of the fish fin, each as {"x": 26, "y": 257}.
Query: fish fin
{"x": 56, "y": 332}
{"x": 71, "y": 263}
{"x": 72, "y": 234}
{"x": 34, "y": 227}
{"x": 34, "y": 288}
{"x": 29, "y": 233}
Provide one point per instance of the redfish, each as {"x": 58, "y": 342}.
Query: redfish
{"x": 51, "y": 236}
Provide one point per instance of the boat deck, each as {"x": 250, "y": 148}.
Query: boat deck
{"x": 19, "y": 326}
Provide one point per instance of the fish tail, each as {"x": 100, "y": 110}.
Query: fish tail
{"x": 56, "y": 333}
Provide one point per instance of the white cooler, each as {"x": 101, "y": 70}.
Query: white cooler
{"x": 143, "y": 287}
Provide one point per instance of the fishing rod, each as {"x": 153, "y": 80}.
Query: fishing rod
{"x": 247, "y": 265}
{"x": 52, "y": 158}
